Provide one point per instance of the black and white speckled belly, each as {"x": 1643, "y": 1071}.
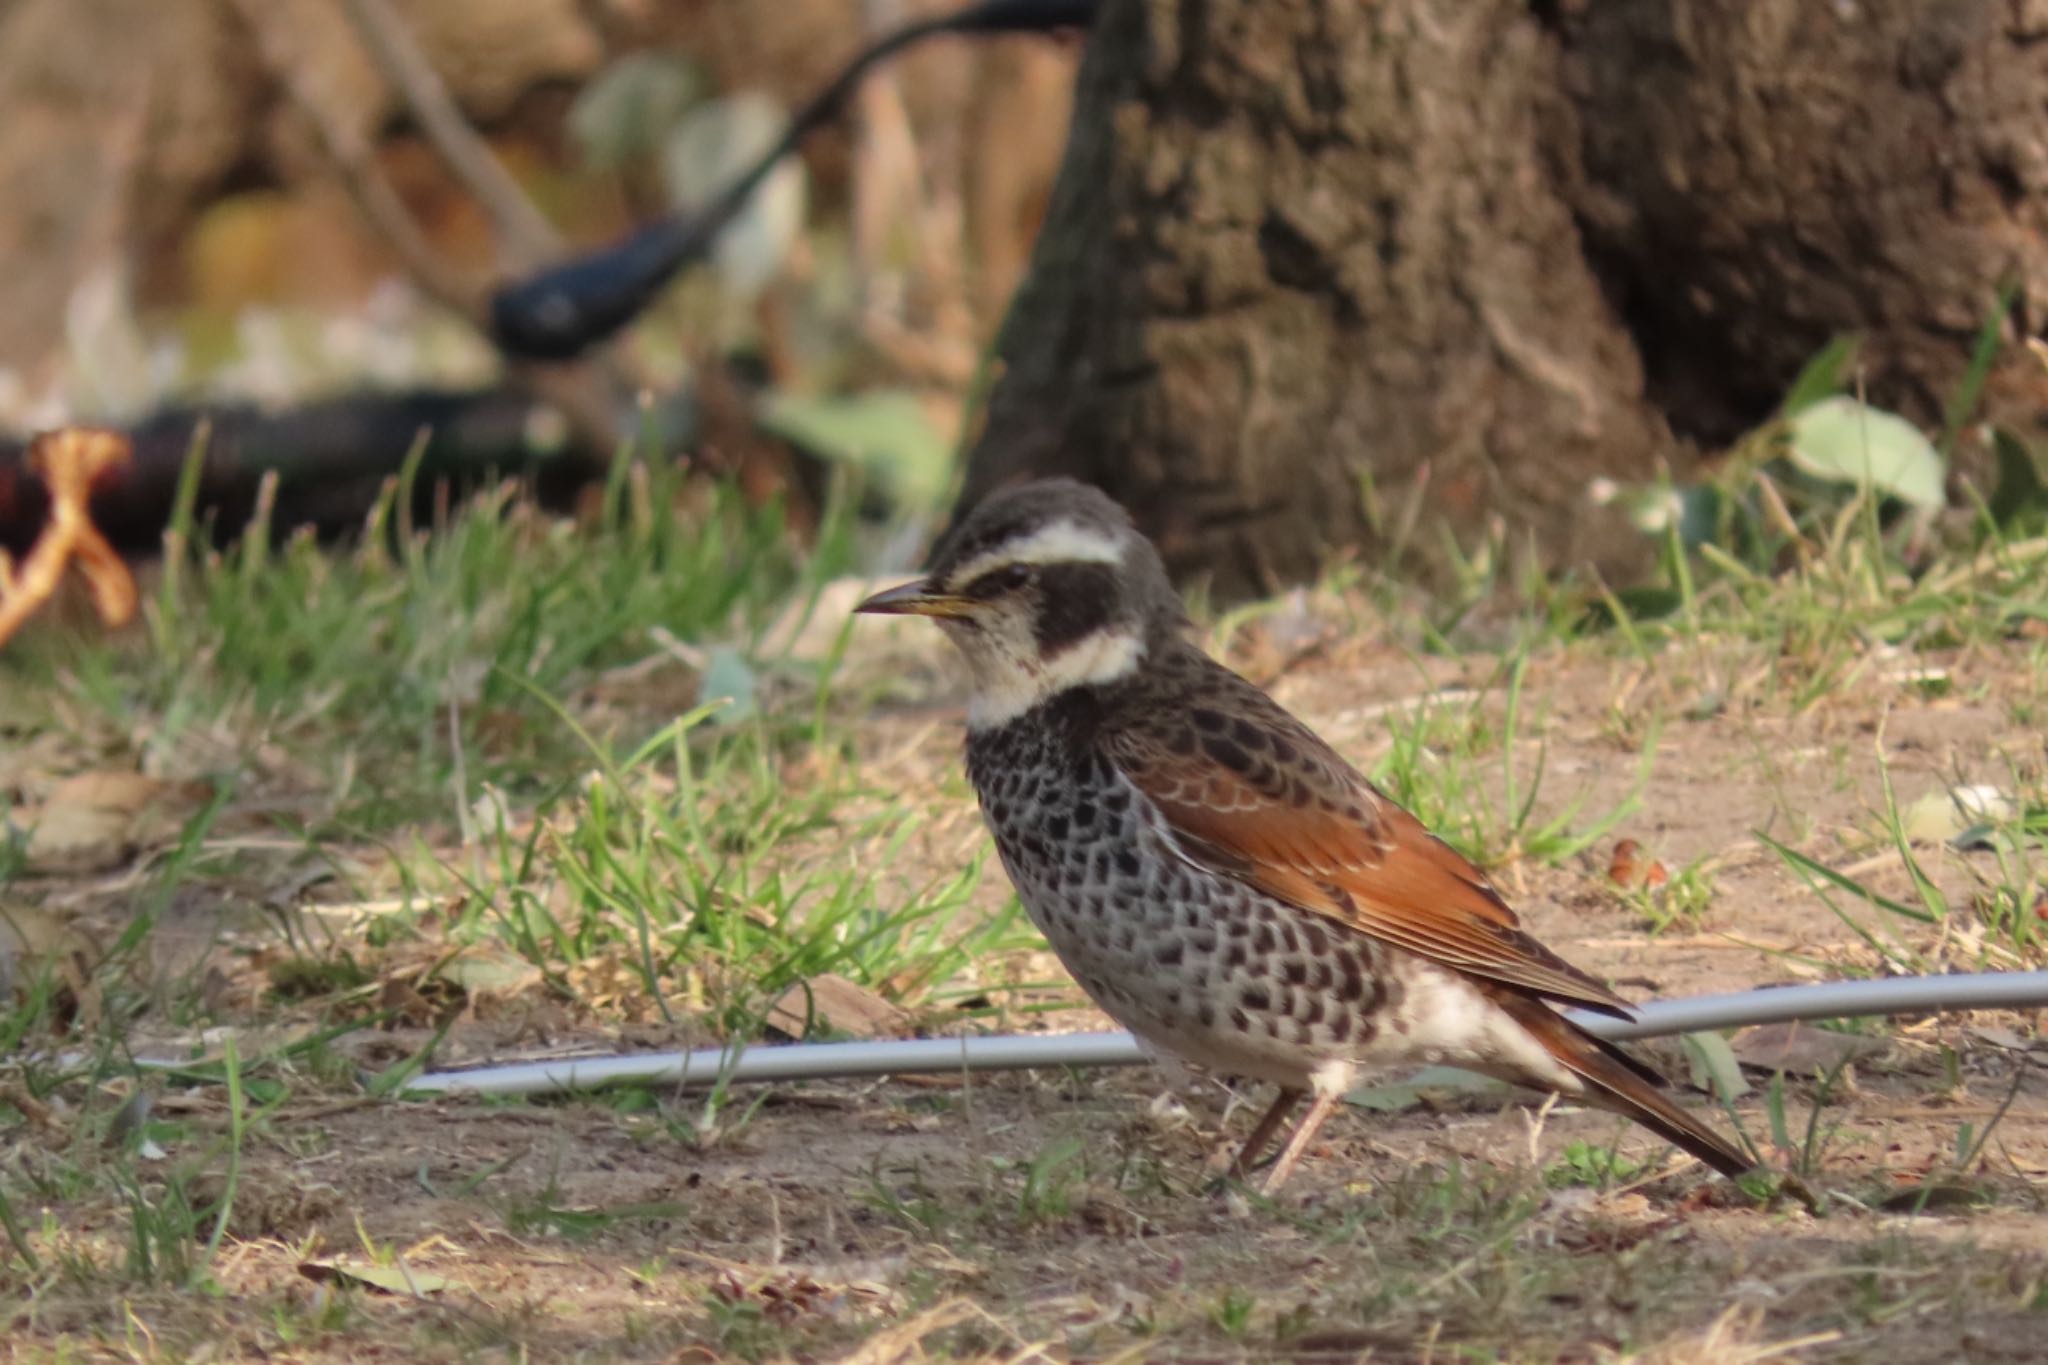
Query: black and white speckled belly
{"x": 1199, "y": 964}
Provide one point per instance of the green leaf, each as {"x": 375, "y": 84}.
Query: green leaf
{"x": 1627, "y": 605}
{"x": 1946, "y": 815}
{"x": 728, "y": 677}
{"x": 883, "y": 432}
{"x": 1714, "y": 1065}
{"x": 1823, "y": 375}
{"x": 1655, "y": 509}
{"x": 713, "y": 145}
{"x": 1813, "y": 868}
{"x": 1983, "y": 355}
{"x": 2020, "y": 491}
{"x": 622, "y": 115}
{"x": 1843, "y": 440}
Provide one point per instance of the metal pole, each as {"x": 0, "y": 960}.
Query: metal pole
{"x": 823, "y": 1061}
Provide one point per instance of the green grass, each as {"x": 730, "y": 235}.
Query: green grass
{"x": 1991, "y": 924}
{"x": 428, "y": 678}
{"x": 677, "y": 857}
{"x": 434, "y": 812}
{"x": 1455, "y": 765}
{"x": 425, "y": 653}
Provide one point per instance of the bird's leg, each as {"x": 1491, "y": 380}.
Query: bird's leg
{"x": 1269, "y": 1124}
{"x": 1290, "y": 1155}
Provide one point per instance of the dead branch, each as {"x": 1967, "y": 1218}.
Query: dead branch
{"x": 353, "y": 156}
{"x": 67, "y": 461}
{"x": 584, "y": 395}
{"x": 525, "y": 236}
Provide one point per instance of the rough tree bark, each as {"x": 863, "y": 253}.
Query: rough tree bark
{"x": 1491, "y": 249}
{"x": 1754, "y": 178}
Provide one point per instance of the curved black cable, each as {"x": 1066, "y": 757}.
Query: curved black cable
{"x": 560, "y": 312}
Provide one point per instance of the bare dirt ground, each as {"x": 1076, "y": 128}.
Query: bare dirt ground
{"x": 1066, "y": 1216}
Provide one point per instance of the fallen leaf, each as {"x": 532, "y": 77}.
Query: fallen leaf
{"x": 487, "y": 969}
{"x": 94, "y": 820}
{"x": 1999, "y": 1036}
{"x": 1800, "y": 1048}
{"x": 1631, "y": 867}
{"x": 1432, "y": 1081}
{"x": 1936, "y": 1196}
{"x": 34, "y": 938}
{"x": 1948, "y": 815}
{"x": 831, "y": 1003}
{"x": 399, "y": 1279}
{"x": 35, "y": 931}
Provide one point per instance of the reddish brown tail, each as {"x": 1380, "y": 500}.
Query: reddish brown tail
{"x": 1616, "y": 1081}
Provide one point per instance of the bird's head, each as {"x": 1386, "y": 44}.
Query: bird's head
{"x": 1044, "y": 587}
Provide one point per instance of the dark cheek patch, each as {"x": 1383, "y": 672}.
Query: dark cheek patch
{"x": 1074, "y": 601}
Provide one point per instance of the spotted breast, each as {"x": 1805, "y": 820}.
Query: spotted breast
{"x": 1212, "y": 873}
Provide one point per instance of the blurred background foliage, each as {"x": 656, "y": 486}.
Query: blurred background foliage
{"x": 180, "y": 227}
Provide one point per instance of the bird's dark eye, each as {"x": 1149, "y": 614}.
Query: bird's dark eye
{"x": 996, "y": 582}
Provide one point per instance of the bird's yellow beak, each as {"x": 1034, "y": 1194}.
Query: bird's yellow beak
{"x": 915, "y": 599}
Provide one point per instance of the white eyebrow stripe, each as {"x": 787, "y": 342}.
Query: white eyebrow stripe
{"x": 1061, "y": 542}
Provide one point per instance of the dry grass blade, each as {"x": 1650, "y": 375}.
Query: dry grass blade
{"x": 1730, "y": 1340}
{"x": 904, "y": 1343}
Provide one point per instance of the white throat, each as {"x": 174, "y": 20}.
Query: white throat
{"x": 1009, "y": 683}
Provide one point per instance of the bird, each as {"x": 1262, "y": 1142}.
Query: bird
{"x": 1209, "y": 870}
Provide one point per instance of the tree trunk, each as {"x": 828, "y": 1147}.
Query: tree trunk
{"x": 1759, "y": 177}
{"x": 1311, "y": 259}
